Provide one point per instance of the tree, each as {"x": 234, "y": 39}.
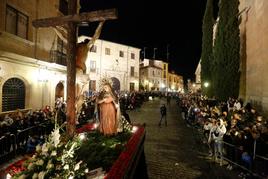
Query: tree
{"x": 227, "y": 51}
{"x": 207, "y": 44}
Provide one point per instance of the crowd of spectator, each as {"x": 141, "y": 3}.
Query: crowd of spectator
{"x": 232, "y": 130}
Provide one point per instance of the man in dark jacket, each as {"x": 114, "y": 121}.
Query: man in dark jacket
{"x": 163, "y": 111}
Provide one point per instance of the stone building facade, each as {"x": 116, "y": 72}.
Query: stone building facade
{"x": 254, "y": 53}
{"x": 175, "y": 83}
{"x": 29, "y": 74}
{"x": 151, "y": 75}
{"x": 117, "y": 61}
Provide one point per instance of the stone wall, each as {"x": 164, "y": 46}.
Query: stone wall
{"x": 254, "y": 53}
{"x": 40, "y": 41}
{"x": 40, "y": 78}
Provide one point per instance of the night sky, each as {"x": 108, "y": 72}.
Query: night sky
{"x": 155, "y": 24}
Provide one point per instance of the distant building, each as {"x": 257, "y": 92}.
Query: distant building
{"x": 151, "y": 75}
{"x": 117, "y": 61}
{"x": 164, "y": 85}
{"x": 198, "y": 83}
{"x": 175, "y": 82}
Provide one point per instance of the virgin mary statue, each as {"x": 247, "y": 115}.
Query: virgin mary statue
{"x": 108, "y": 108}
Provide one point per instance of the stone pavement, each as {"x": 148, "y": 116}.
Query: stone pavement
{"x": 174, "y": 151}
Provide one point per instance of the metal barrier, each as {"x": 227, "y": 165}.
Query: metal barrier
{"x": 7, "y": 147}
{"x": 254, "y": 164}
{"x": 23, "y": 111}
{"x": 13, "y": 144}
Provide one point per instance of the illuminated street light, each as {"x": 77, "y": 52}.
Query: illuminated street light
{"x": 206, "y": 84}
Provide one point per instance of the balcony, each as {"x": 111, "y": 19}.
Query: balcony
{"x": 58, "y": 57}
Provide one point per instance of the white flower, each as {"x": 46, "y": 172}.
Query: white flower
{"x": 54, "y": 153}
{"x": 38, "y": 148}
{"x": 77, "y": 166}
{"x": 86, "y": 170}
{"x": 55, "y": 136}
{"x": 40, "y": 162}
{"x": 49, "y": 166}
{"x": 41, "y": 175}
{"x": 44, "y": 148}
{"x": 71, "y": 177}
{"x": 66, "y": 167}
{"x": 35, "y": 176}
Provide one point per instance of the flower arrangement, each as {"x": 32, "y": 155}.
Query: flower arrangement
{"x": 55, "y": 159}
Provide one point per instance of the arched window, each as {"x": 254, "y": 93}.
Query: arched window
{"x": 13, "y": 95}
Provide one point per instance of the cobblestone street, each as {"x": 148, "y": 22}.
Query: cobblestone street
{"x": 174, "y": 151}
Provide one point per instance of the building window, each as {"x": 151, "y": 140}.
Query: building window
{"x": 59, "y": 55}
{"x": 16, "y": 22}
{"x": 132, "y": 55}
{"x": 132, "y": 71}
{"x": 121, "y": 53}
{"x": 165, "y": 67}
{"x": 93, "y": 49}
{"x": 13, "y": 95}
{"x": 92, "y": 66}
{"x": 153, "y": 72}
{"x": 131, "y": 86}
{"x": 92, "y": 85}
{"x": 107, "y": 51}
{"x": 165, "y": 76}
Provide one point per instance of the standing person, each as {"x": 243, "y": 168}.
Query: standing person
{"x": 163, "y": 111}
{"x": 168, "y": 99}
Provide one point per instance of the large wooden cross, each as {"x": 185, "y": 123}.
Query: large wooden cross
{"x": 71, "y": 21}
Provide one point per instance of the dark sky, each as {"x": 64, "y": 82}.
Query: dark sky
{"x": 155, "y": 24}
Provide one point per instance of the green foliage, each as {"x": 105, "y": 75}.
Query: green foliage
{"x": 207, "y": 40}
{"x": 226, "y": 51}
{"x": 102, "y": 151}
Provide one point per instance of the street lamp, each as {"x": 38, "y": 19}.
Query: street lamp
{"x": 206, "y": 84}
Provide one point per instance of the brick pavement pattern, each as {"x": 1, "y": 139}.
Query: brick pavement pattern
{"x": 174, "y": 151}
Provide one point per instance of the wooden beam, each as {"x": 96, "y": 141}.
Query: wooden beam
{"x": 71, "y": 69}
{"x": 93, "y": 16}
